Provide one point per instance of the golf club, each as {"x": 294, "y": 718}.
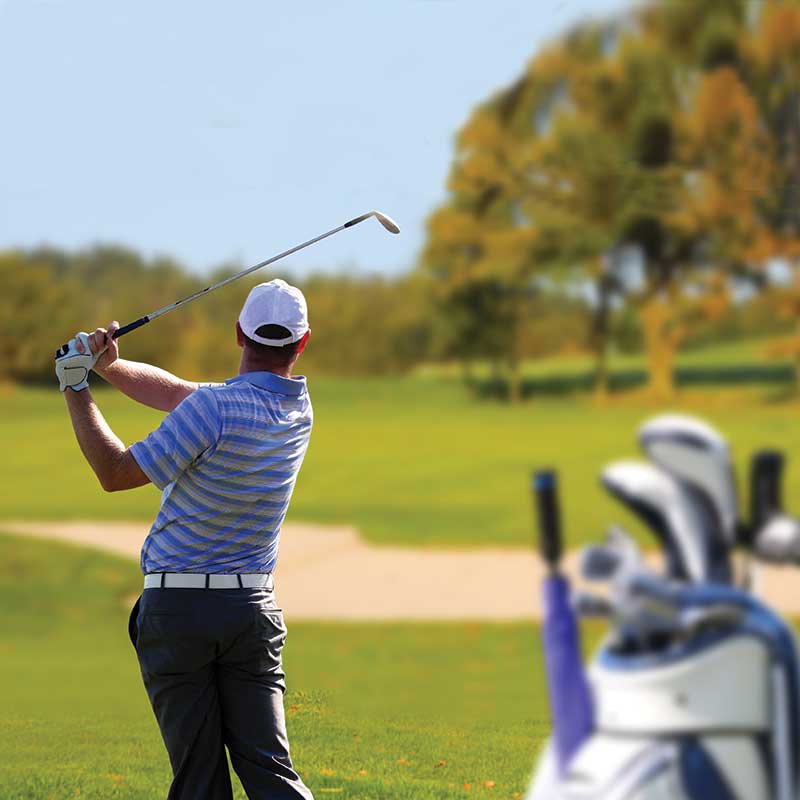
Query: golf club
{"x": 570, "y": 696}
{"x": 696, "y": 454}
{"x": 689, "y": 654}
{"x": 700, "y": 459}
{"x": 387, "y": 223}
{"x": 659, "y": 501}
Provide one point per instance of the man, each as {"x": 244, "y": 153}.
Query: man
{"x": 207, "y": 630}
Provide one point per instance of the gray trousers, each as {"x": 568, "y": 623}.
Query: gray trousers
{"x": 211, "y": 665}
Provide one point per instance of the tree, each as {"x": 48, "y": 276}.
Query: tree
{"x": 34, "y": 304}
{"x": 628, "y": 156}
{"x": 482, "y": 252}
{"x": 772, "y": 50}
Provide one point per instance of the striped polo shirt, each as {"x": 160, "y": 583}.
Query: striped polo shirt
{"x": 226, "y": 459}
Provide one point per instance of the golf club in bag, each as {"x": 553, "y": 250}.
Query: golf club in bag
{"x": 695, "y": 688}
{"x": 570, "y": 699}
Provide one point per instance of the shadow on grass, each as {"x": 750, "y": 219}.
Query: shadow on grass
{"x": 562, "y": 384}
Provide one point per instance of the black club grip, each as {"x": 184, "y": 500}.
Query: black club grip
{"x": 131, "y": 326}
{"x": 356, "y": 220}
{"x": 766, "y": 467}
{"x": 545, "y": 489}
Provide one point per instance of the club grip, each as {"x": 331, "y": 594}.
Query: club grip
{"x": 356, "y": 220}
{"x": 131, "y": 326}
{"x": 766, "y": 467}
{"x": 545, "y": 489}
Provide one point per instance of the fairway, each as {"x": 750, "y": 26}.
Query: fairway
{"x": 374, "y": 711}
{"x": 405, "y": 460}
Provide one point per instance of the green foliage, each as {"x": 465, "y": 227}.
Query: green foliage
{"x": 361, "y": 324}
{"x": 653, "y": 140}
{"x": 367, "y": 325}
{"x": 373, "y": 710}
{"x": 754, "y": 318}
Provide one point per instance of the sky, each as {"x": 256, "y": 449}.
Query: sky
{"x": 225, "y": 132}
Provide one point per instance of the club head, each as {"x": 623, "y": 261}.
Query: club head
{"x": 698, "y": 456}
{"x": 591, "y": 606}
{"x": 387, "y": 222}
{"x": 599, "y": 563}
{"x": 663, "y": 505}
{"x": 778, "y": 540}
{"x": 691, "y": 620}
{"x": 624, "y": 545}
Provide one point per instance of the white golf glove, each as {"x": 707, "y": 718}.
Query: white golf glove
{"x": 73, "y": 362}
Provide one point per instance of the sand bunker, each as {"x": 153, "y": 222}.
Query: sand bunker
{"x": 331, "y": 573}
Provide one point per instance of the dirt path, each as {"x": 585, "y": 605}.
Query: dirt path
{"x": 329, "y": 572}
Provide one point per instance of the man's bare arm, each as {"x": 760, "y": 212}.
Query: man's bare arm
{"x": 112, "y": 462}
{"x": 148, "y": 385}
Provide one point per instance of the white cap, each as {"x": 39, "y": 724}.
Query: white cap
{"x": 274, "y": 303}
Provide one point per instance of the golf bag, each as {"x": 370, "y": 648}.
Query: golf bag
{"x": 696, "y": 687}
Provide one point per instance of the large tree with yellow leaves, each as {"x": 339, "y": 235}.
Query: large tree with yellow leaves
{"x": 655, "y": 158}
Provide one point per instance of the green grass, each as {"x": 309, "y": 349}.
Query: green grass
{"x": 412, "y": 460}
{"x": 374, "y": 711}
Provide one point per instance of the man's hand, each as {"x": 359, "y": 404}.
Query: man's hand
{"x": 144, "y": 383}
{"x": 73, "y": 362}
{"x": 103, "y": 344}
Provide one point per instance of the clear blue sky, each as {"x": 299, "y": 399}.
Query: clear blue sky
{"x": 232, "y": 130}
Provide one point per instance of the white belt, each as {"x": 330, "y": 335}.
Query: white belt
{"x": 193, "y": 580}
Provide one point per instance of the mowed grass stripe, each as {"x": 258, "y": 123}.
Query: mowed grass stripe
{"x": 413, "y": 460}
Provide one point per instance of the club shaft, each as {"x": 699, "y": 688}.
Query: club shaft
{"x": 172, "y": 306}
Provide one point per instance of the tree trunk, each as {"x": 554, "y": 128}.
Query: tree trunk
{"x": 515, "y": 358}
{"x": 514, "y": 381}
{"x": 466, "y": 370}
{"x": 660, "y": 345}
{"x": 600, "y": 332}
{"x": 601, "y": 376}
{"x": 797, "y": 365}
{"x": 600, "y": 347}
{"x": 797, "y": 375}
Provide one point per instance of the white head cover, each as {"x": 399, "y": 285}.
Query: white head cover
{"x": 275, "y": 303}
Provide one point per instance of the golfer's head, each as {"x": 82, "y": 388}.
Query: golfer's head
{"x": 273, "y": 323}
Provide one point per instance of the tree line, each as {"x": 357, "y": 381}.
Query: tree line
{"x": 362, "y": 324}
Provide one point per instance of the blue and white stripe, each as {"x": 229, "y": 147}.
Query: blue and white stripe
{"x": 227, "y": 460}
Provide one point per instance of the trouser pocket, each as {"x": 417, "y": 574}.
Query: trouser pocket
{"x": 270, "y": 637}
{"x": 133, "y": 627}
